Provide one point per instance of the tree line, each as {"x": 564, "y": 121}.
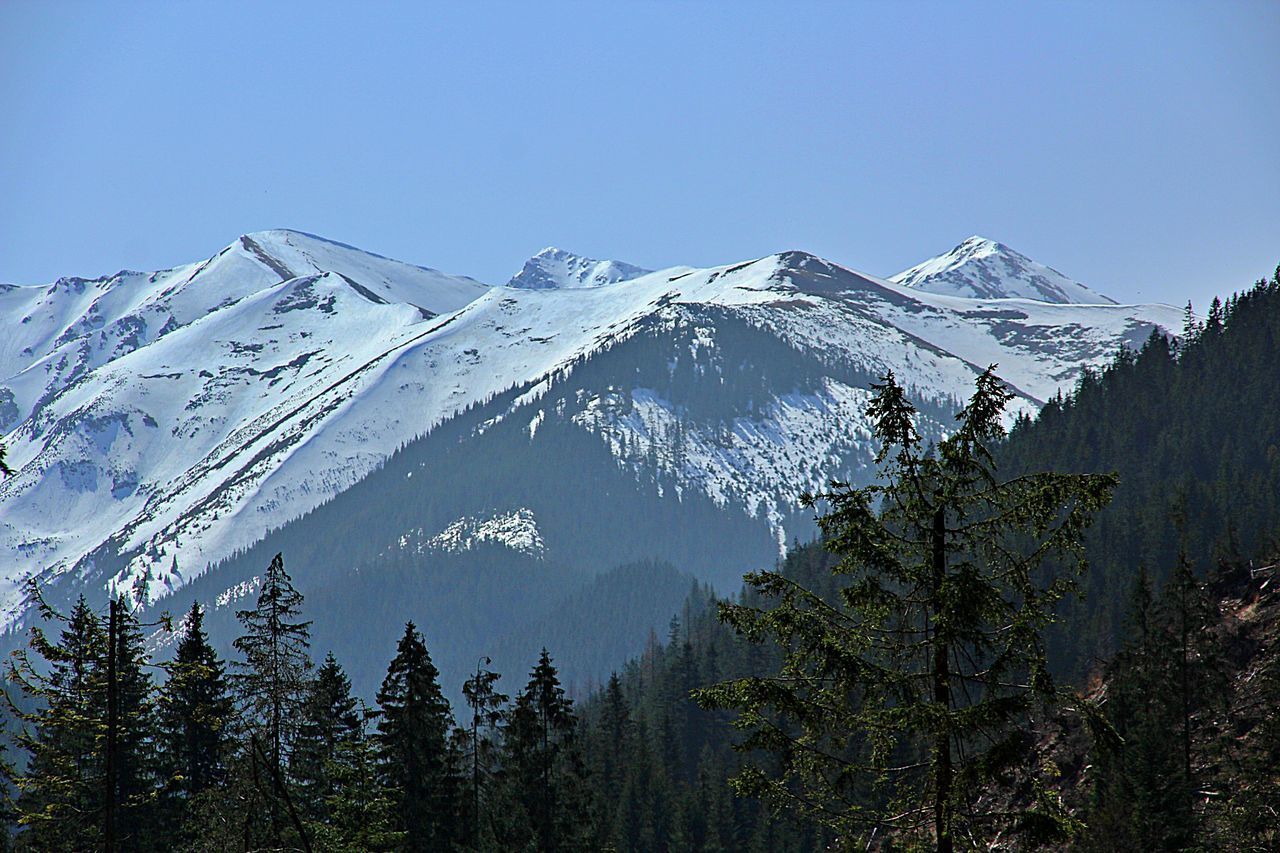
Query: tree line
{"x": 892, "y": 686}
{"x": 274, "y": 752}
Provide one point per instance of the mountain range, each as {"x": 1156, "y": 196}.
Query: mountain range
{"x": 168, "y": 428}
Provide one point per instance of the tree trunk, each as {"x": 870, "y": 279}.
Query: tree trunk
{"x": 113, "y": 713}
{"x": 941, "y": 692}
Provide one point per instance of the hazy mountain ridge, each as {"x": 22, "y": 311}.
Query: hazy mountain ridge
{"x": 316, "y": 361}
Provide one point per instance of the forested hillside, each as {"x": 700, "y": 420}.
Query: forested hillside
{"x": 1159, "y": 733}
{"x": 1193, "y": 430}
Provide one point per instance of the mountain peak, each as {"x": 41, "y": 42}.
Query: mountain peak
{"x": 982, "y": 268}
{"x": 553, "y": 268}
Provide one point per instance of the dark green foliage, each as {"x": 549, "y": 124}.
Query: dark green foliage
{"x": 898, "y": 703}
{"x": 1167, "y": 696}
{"x": 60, "y": 796}
{"x": 128, "y": 744}
{"x": 1193, "y": 431}
{"x": 271, "y": 682}
{"x": 544, "y": 769}
{"x": 661, "y": 763}
{"x": 275, "y": 643}
{"x": 415, "y": 762}
{"x": 330, "y": 724}
{"x": 478, "y": 747}
{"x": 91, "y": 776}
{"x": 194, "y": 719}
{"x": 360, "y": 811}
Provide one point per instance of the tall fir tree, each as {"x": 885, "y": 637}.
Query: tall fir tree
{"x": 195, "y": 711}
{"x": 91, "y": 777}
{"x": 129, "y": 739}
{"x": 919, "y": 682}
{"x": 412, "y": 741}
{"x": 60, "y": 796}
{"x": 1160, "y": 686}
{"x": 330, "y": 722}
{"x": 610, "y": 747}
{"x": 271, "y": 681}
{"x": 478, "y": 750}
{"x": 544, "y": 766}
{"x": 359, "y": 809}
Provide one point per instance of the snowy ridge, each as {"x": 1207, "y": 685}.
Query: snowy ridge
{"x": 554, "y": 268}
{"x": 57, "y": 334}
{"x": 517, "y": 530}
{"x": 983, "y": 269}
{"x": 173, "y": 418}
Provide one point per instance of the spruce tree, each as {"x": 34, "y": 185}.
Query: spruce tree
{"x": 330, "y": 722}
{"x": 91, "y": 777}
{"x": 359, "y": 810}
{"x": 412, "y": 742}
{"x": 271, "y": 681}
{"x": 479, "y": 746}
{"x": 195, "y": 714}
{"x": 544, "y": 765}
{"x": 914, "y": 689}
{"x": 129, "y": 739}
{"x": 60, "y": 796}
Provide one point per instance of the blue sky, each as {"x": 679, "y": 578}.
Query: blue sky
{"x": 1134, "y": 146}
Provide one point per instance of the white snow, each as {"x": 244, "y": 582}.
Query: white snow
{"x": 185, "y": 413}
{"x": 555, "y": 268}
{"x": 763, "y": 463}
{"x": 984, "y": 269}
{"x": 517, "y": 530}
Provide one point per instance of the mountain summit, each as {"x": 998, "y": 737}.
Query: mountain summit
{"x": 980, "y": 268}
{"x": 556, "y": 269}
{"x": 166, "y": 427}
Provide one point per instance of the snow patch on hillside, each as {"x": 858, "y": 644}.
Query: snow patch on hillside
{"x": 517, "y": 530}
{"x": 764, "y": 463}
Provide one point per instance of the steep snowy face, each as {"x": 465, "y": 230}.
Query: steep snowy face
{"x": 161, "y": 422}
{"x": 554, "y": 268}
{"x": 983, "y": 269}
{"x": 55, "y": 335}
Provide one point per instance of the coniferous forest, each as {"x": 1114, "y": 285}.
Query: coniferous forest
{"x": 1060, "y": 638}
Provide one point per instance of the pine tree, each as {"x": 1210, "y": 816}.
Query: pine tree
{"x": 91, "y": 773}
{"x": 478, "y": 749}
{"x": 412, "y": 741}
{"x": 271, "y": 681}
{"x": 330, "y": 722}
{"x": 1160, "y": 684}
{"x": 60, "y": 800}
{"x": 129, "y": 748}
{"x": 360, "y": 811}
{"x": 614, "y": 732}
{"x": 195, "y": 713}
{"x": 544, "y": 765}
{"x": 914, "y": 688}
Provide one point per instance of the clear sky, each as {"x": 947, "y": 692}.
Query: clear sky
{"x": 1134, "y": 146}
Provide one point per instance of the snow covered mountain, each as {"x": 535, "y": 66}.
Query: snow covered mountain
{"x": 163, "y": 423}
{"x": 983, "y": 269}
{"x": 554, "y": 268}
